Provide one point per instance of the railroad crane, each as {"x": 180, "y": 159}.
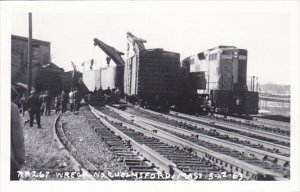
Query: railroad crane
{"x": 136, "y": 43}
{"x": 111, "y": 52}
{"x": 150, "y": 75}
{"x": 116, "y": 56}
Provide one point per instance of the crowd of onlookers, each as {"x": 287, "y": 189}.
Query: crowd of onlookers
{"x": 38, "y": 104}
{"x": 74, "y": 98}
{"x": 108, "y": 95}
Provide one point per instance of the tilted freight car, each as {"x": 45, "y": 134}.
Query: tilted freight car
{"x": 151, "y": 77}
{"x": 219, "y": 78}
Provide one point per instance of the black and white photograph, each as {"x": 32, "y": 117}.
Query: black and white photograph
{"x": 118, "y": 95}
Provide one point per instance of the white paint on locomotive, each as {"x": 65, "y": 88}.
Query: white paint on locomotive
{"x": 223, "y": 68}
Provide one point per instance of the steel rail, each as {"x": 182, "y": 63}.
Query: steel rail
{"x": 249, "y": 171}
{"x": 272, "y": 122}
{"x": 63, "y": 148}
{"x": 151, "y": 155}
{"x": 260, "y": 121}
{"x": 244, "y": 129}
{"x": 283, "y": 149}
{"x": 282, "y": 160}
{"x": 226, "y": 125}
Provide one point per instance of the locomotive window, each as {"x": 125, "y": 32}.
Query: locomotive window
{"x": 201, "y": 56}
{"x": 213, "y": 56}
{"x": 242, "y": 57}
{"x": 226, "y": 56}
{"x": 192, "y": 61}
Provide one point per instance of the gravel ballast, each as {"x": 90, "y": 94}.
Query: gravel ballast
{"x": 89, "y": 144}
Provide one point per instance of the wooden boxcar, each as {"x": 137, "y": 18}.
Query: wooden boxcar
{"x": 151, "y": 77}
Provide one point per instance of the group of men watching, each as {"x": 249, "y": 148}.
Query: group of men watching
{"x": 40, "y": 104}
{"x": 109, "y": 95}
{"x": 36, "y": 104}
{"x": 74, "y": 97}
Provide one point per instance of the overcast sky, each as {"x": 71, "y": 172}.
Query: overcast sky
{"x": 185, "y": 28}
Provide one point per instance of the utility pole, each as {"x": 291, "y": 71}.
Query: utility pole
{"x": 257, "y": 84}
{"x": 29, "y": 57}
{"x": 252, "y": 83}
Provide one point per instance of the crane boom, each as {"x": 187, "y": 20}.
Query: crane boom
{"x": 137, "y": 43}
{"x": 114, "y": 54}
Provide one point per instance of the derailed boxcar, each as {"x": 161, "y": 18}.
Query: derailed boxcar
{"x": 151, "y": 78}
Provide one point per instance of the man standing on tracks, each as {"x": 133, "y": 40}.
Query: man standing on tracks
{"x": 108, "y": 95}
{"x": 77, "y": 97}
{"x": 117, "y": 95}
{"x": 72, "y": 99}
{"x": 34, "y": 104}
{"x": 47, "y": 99}
{"x": 100, "y": 92}
{"x": 42, "y": 96}
{"x": 57, "y": 101}
{"x": 64, "y": 102}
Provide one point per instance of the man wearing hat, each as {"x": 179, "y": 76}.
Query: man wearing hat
{"x": 34, "y": 104}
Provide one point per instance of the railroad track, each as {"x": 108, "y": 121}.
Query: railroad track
{"x": 261, "y": 148}
{"x": 249, "y": 167}
{"x": 137, "y": 157}
{"x": 184, "y": 164}
{"x": 273, "y": 123}
{"x": 260, "y": 123}
{"x": 64, "y": 144}
{"x": 268, "y": 134}
{"x": 274, "y": 159}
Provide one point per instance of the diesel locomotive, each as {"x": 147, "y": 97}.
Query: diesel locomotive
{"x": 216, "y": 81}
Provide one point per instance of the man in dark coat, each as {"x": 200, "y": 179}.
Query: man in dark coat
{"x": 34, "y": 104}
{"x": 77, "y": 96}
{"x": 118, "y": 94}
{"x": 47, "y": 100}
{"x": 64, "y": 101}
{"x": 42, "y": 96}
{"x": 57, "y": 101}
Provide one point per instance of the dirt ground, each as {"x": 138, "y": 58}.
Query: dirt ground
{"x": 43, "y": 159}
